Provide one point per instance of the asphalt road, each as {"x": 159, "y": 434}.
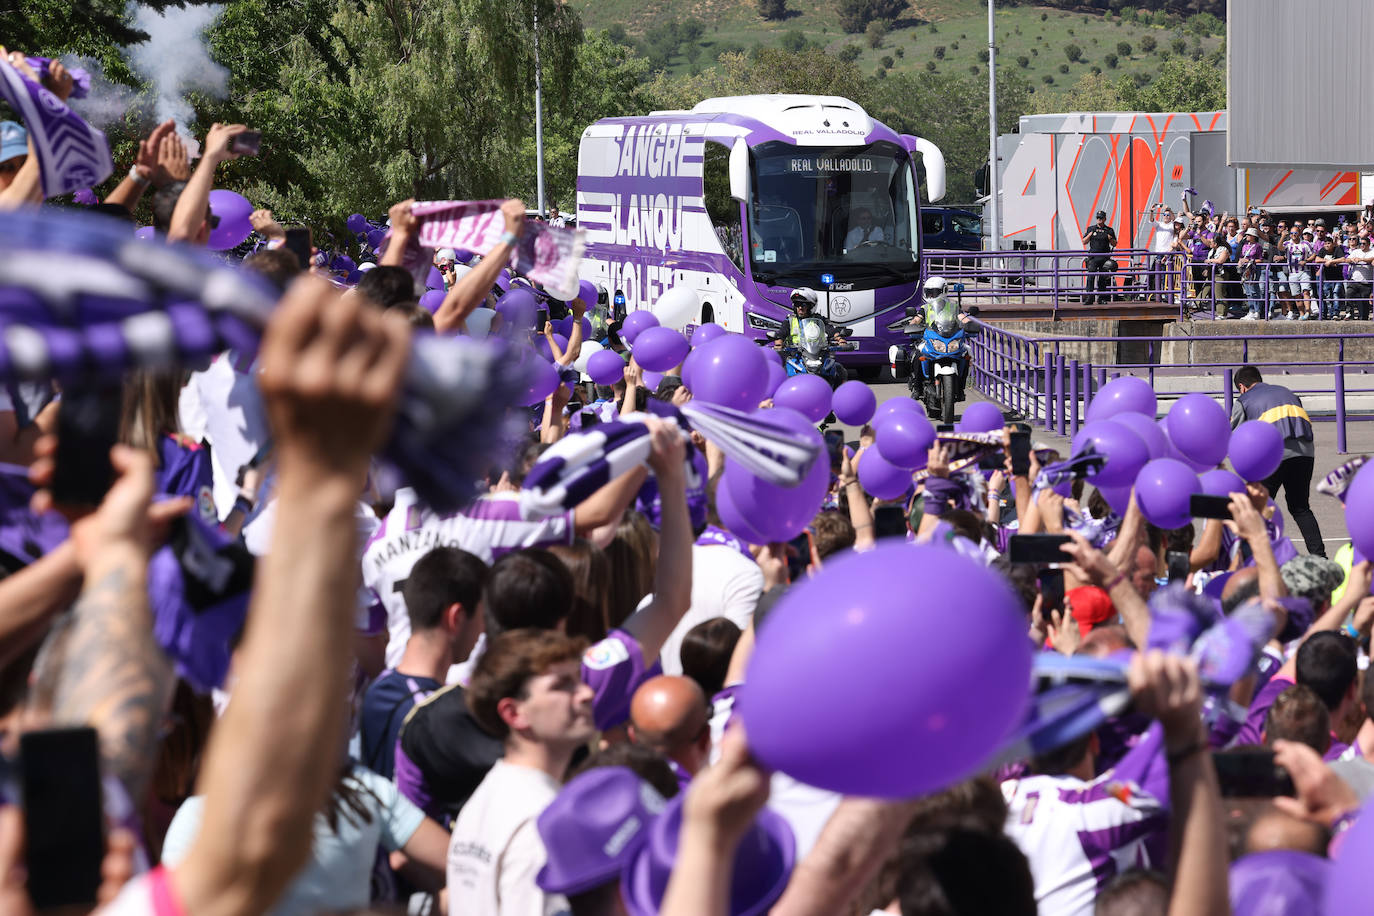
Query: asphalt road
{"x": 1330, "y": 514}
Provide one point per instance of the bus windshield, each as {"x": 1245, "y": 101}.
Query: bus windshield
{"x": 846, "y": 210}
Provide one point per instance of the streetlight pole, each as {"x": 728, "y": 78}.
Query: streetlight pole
{"x": 538, "y": 114}
{"x": 994, "y": 182}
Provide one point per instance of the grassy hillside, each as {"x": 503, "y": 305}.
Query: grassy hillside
{"x": 950, "y": 34}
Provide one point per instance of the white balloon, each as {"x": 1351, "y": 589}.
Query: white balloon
{"x": 580, "y": 364}
{"x": 479, "y": 322}
{"x": 677, "y": 308}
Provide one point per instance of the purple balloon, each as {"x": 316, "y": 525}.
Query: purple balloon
{"x": 541, "y": 345}
{"x": 777, "y": 375}
{"x": 1350, "y": 881}
{"x": 1119, "y": 498}
{"x": 781, "y": 513}
{"x": 951, "y": 698}
{"x": 234, "y": 227}
{"x": 1125, "y": 451}
{"x": 981, "y": 417}
{"x": 1126, "y": 394}
{"x": 85, "y": 196}
{"x": 432, "y": 299}
{"x": 636, "y": 322}
{"x": 1221, "y": 482}
{"x": 854, "y": 403}
{"x": 1198, "y": 427}
{"x": 1163, "y": 489}
{"x": 543, "y": 380}
{"x": 357, "y": 222}
{"x": 904, "y": 439}
{"x": 901, "y": 403}
{"x": 773, "y": 356}
{"x": 1359, "y": 510}
{"x": 606, "y": 367}
{"x": 1256, "y": 449}
{"x": 733, "y": 519}
{"x": 660, "y": 349}
{"x": 586, "y": 293}
{"x": 730, "y": 371}
{"x": 564, "y": 326}
{"x": 145, "y": 233}
{"x": 809, "y": 395}
{"x": 374, "y": 237}
{"x": 517, "y": 309}
{"x": 1156, "y": 442}
{"x": 706, "y": 333}
{"x": 882, "y": 478}
{"x": 651, "y": 379}
{"x": 434, "y": 279}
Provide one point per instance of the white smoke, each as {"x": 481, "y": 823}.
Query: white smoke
{"x": 176, "y": 61}
{"x": 108, "y": 102}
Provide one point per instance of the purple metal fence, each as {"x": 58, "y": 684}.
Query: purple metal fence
{"x": 1034, "y": 377}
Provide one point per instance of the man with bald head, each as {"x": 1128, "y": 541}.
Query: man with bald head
{"x": 670, "y": 715}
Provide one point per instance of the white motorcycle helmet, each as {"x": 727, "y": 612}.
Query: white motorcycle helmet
{"x": 934, "y": 287}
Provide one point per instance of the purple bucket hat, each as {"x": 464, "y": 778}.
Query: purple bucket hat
{"x": 763, "y": 864}
{"x": 1280, "y": 882}
{"x": 593, "y": 829}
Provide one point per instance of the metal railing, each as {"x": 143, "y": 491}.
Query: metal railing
{"x": 1056, "y": 280}
{"x": 1060, "y": 281}
{"x": 1036, "y": 378}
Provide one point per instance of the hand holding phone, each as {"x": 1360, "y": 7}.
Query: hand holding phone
{"x": 1201, "y": 505}
{"x": 87, "y": 428}
{"x": 300, "y": 242}
{"x": 1020, "y": 452}
{"x": 246, "y": 143}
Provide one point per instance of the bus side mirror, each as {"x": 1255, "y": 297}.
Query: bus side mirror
{"x": 934, "y": 161}
{"x": 739, "y": 171}
{"x": 846, "y": 332}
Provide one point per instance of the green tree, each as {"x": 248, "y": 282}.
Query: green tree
{"x": 1073, "y": 52}
{"x": 616, "y": 33}
{"x": 1178, "y": 45}
{"x": 771, "y": 70}
{"x": 793, "y": 40}
{"x": 849, "y": 53}
{"x": 876, "y": 31}
{"x": 930, "y": 66}
{"x": 434, "y": 104}
{"x": 1022, "y": 61}
{"x": 1064, "y": 68}
{"x": 772, "y": 9}
{"x": 939, "y": 52}
{"x": 887, "y": 61}
{"x": 1148, "y": 43}
{"x": 1110, "y": 60}
{"x": 1179, "y": 86}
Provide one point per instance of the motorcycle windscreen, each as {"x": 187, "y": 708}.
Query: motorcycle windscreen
{"x": 812, "y": 336}
{"x": 943, "y": 316}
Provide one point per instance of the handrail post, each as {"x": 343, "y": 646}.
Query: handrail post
{"x": 1049, "y": 391}
{"x": 1073, "y": 397}
{"x": 1340, "y": 407}
{"x": 1087, "y": 388}
{"x": 1059, "y": 391}
{"x": 1226, "y": 377}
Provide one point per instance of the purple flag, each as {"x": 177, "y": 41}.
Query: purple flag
{"x": 71, "y": 153}
{"x": 81, "y": 78}
{"x": 546, "y": 254}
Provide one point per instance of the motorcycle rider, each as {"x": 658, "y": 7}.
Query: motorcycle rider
{"x": 803, "y": 304}
{"x": 936, "y": 305}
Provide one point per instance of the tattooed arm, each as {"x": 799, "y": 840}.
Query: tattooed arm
{"x": 113, "y": 675}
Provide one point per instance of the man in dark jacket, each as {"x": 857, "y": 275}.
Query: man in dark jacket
{"x": 1277, "y": 405}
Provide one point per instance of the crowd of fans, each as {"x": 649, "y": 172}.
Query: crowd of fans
{"x": 1250, "y": 267}
{"x": 497, "y": 712}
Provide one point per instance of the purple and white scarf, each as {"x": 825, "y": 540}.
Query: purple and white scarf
{"x": 549, "y": 255}
{"x": 82, "y": 299}
{"x": 81, "y": 78}
{"x": 719, "y": 537}
{"x": 71, "y": 153}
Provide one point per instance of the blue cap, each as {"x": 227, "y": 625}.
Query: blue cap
{"x": 14, "y": 140}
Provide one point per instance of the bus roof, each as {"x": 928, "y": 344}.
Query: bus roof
{"x": 801, "y": 120}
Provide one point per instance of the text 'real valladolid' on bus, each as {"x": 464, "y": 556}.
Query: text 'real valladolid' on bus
{"x": 743, "y": 199}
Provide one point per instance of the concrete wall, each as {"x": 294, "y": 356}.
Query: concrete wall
{"x": 1098, "y": 353}
{"x": 1323, "y": 348}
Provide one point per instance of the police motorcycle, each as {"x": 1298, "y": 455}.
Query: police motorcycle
{"x": 935, "y": 361}
{"x": 807, "y": 349}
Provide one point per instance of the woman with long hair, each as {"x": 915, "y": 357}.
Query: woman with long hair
{"x": 591, "y": 573}
{"x": 633, "y": 559}
{"x": 148, "y": 421}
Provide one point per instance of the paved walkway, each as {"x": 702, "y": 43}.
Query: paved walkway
{"x": 1330, "y": 514}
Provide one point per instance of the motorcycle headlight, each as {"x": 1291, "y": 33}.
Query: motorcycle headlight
{"x": 938, "y": 346}
{"x": 813, "y": 364}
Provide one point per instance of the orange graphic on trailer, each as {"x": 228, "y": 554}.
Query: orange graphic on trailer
{"x": 1068, "y": 166}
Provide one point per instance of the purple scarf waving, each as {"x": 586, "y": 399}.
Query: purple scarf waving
{"x": 546, "y": 254}
{"x": 71, "y": 153}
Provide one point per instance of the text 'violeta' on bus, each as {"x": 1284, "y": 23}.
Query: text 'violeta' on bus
{"x": 742, "y": 200}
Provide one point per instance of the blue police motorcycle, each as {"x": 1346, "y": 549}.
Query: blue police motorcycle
{"x": 936, "y": 361}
